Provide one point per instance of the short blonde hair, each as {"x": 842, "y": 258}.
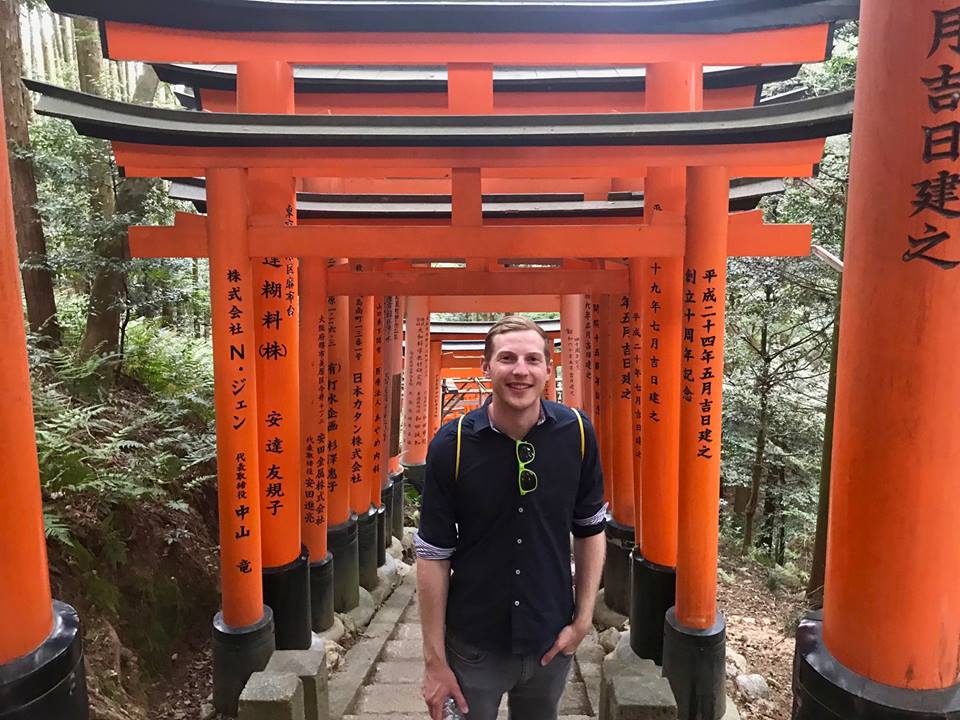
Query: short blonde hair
{"x": 515, "y": 323}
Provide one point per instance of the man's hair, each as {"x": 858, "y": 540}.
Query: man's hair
{"x": 515, "y": 323}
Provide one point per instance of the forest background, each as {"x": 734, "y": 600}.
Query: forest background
{"x": 123, "y": 380}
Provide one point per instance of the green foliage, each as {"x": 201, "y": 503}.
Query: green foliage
{"x": 125, "y": 445}
{"x": 780, "y": 315}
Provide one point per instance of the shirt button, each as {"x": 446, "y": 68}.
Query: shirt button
{"x": 516, "y": 603}
{"x": 519, "y": 541}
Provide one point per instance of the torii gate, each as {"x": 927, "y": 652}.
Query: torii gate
{"x": 798, "y": 153}
{"x": 312, "y": 241}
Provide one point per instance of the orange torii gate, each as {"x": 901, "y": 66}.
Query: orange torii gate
{"x": 752, "y": 148}
{"x": 615, "y": 239}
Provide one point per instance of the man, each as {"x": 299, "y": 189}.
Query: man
{"x": 505, "y": 487}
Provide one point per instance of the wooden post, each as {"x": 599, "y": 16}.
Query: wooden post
{"x": 395, "y": 362}
{"x": 416, "y": 389}
{"x": 436, "y": 388}
{"x": 342, "y": 529}
{"x": 243, "y": 636}
{"x": 267, "y": 87}
{"x": 572, "y": 350}
{"x": 313, "y": 428}
{"x": 891, "y": 615}
{"x": 360, "y": 416}
{"x": 658, "y": 291}
{"x": 41, "y": 646}
{"x": 693, "y": 655}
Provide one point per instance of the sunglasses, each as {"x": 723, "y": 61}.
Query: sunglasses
{"x": 526, "y": 478}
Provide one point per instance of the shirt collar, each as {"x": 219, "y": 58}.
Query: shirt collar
{"x": 483, "y": 417}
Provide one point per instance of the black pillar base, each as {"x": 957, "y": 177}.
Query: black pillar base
{"x": 342, "y": 542}
{"x": 237, "y": 654}
{"x": 50, "y": 681}
{"x": 286, "y": 589}
{"x": 616, "y": 568}
{"x": 415, "y": 475}
{"x": 367, "y": 548}
{"x": 694, "y": 661}
{"x": 823, "y": 689}
{"x": 386, "y": 499}
{"x": 381, "y": 534}
{"x": 321, "y": 594}
{"x": 396, "y": 518}
{"x": 653, "y": 592}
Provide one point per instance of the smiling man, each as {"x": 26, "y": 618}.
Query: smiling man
{"x": 506, "y": 486}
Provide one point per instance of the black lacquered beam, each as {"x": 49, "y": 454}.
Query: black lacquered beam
{"x": 531, "y": 16}
{"x": 780, "y": 122}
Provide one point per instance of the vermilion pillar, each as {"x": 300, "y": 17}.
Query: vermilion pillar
{"x": 342, "y": 524}
{"x": 693, "y": 654}
{"x": 267, "y": 87}
{"x": 572, "y": 349}
{"x": 550, "y": 388}
{"x": 243, "y": 638}
{"x": 588, "y": 358}
{"x": 436, "y": 388}
{"x": 393, "y": 360}
{"x": 361, "y": 440}
{"x": 416, "y": 389}
{"x": 618, "y": 440}
{"x": 313, "y": 428}
{"x": 889, "y": 644}
{"x": 657, "y": 287}
{"x": 37, "y": 632}
{"x": 378, "y": 457}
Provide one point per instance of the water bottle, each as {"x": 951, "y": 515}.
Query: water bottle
{"x": 451, "y": 711}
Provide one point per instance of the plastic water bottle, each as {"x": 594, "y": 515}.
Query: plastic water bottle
{"x": 451, "y": 711}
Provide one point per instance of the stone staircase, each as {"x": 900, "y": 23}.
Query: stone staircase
{"x": 392, "y": 689}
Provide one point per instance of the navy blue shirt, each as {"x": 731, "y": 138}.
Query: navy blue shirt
{"x": 511, "y": 588}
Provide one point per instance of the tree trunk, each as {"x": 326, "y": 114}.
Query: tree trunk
{"x": 758, "y": 457}
{"x": 818, "y": 567}
{"x": 756, "y": 474}
{"x": 89, "y": 57}
{"x": 23, "y": 25}
{"x": 769, "y": 516}
{"x": 780, "y": 544}
{"x": 49, "y": 59}
{"x": 31, "y": 244}
{"x": 69, "y": 51}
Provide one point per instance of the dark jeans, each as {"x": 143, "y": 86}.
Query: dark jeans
{"x": 533, "y": 692}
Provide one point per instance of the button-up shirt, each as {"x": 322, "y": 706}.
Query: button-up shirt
{"x": 511, "y": 588}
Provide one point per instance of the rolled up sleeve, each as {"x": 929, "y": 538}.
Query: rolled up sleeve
{"x": 590, "y": 511}
{"x": 436, "y": 538}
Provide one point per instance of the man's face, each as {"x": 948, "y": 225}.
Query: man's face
{"x": 518, "y": 368}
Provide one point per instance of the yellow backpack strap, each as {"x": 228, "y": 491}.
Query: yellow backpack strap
{"x": 582, "y": 437}
{"x": 456, "y": 475}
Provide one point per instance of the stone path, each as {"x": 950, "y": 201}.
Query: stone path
{"x": 392, "y": 688}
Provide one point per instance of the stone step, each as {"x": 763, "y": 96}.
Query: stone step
{"x": 397, "y": 671}
{"x": 391, "y": 699}
{"x": 410, "y": 649}
{"x": 408, "y": 631}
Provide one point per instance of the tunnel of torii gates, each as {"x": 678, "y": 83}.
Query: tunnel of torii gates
{"x": 310, "y": 341}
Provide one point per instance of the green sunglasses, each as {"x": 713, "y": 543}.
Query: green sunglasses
{"x": 526, "y": 478}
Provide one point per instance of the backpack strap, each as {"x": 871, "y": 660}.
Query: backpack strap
{"x": 583, "y": 441}
{"x": 456, "y": 473}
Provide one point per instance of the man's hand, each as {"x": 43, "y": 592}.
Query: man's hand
{"x": 567, "y": 642}
{"x": 439, "y": 683}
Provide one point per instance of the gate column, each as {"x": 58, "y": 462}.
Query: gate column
{"x": 693, "y": 652}
{"x": 888, "y": 642}
{"x": 41, "y": 646}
